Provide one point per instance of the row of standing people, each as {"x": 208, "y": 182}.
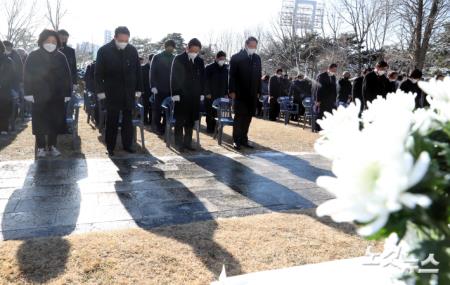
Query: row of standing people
{"x": 119, "y": 77}
{"x": 331, "y": 92}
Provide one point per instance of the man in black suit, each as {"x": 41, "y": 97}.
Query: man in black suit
{"x": 216, "y": 87}
{"x": 160, "y": 69}
{"x": 70, "y": 55}
{"x": 327, "y": 91}
{"x": 411, "y": 85}
{"x": 358, "y": 86}
{"x": 188, "y": 86}
{"x": 276, "y": 90}
{"x": 245, "y": 88}
{"x": 119, "y": 79}
{"x": 376, "y": 83}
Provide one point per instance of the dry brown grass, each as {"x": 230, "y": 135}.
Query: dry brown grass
{"x": 182, "y": 254}
{"x": 265, "y": 134}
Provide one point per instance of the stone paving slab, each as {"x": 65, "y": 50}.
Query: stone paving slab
{"x": 56, "y": 197}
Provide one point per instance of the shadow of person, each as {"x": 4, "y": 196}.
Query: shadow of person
{"x": 47, "y": 204}
{"x": 152, "y": 194}
{"x": 274, "y": 186}
{"x": 253, "y": 180}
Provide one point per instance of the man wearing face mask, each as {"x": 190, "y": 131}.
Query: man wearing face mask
{"x": 70, "y": 55}
{"x": 245, "y": 88}
{"x": 393, "y": 83}
{"x": 276, "y": 90}
{"x": 118, "y": 79}
{"x": 160, "y": 68}
{"x": 216, "y": 87}
{"x": 410, "y": 85}
{"x": 345, "y": 89}
{"x": 15, "y": 57}
{"x": 188, "y": 86}
{"x": 327, "y": 91}
{"x": 376, "y": 83}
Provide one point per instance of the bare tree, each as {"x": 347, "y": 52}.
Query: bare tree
{"x": 360, "y": 15}
{"x": 421, "y": 18}
{"x": 55, "y": 13}
{"x": 377, "y": 34}
{"x": 20, "y": 22}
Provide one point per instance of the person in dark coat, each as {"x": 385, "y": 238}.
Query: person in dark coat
{"x": 89, "y": 77}
{"x": 301, "y": 88}
{"x": 357, "y": 87}
{"x": 410, "y": 85}
{"x": 147, "y": 91}
{"x": 8, "y": 77}
{"x": 160, "y": 69}
{"x": 216, "y": 86}
{"x": 119, "y": 79}
{"x": 327, "y": 91}
{"x": 375, "y": 83}
{"x": 47, "y": 83}
{"x": 17, "y": 60}
{"x": 276, "y": 90}
{"x": 264, "y": 91}
{"x": 345, "y": 89}
{"x": 393, "y": 83}
{"x": 245, "y": 88}
{"x": 188, "y": 85}
{"x": 70, "y": 55}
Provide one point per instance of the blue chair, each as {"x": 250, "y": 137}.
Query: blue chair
{"x": 15, "y": 110}
{"x": 72, "y": 115}
{"x": 265, "y": 106}
{"x": 168, "y": 107}
{"x": 309, "y": 114}
{"x": 224, "y": 118}
{"x": 138, "y": 122}
{"x": 288, "y": 108}
{"x": 90, "y": 105}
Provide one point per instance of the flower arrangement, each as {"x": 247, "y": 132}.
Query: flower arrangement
{"x": 392, "y": 173}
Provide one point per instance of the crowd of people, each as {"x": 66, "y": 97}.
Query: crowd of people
{"x": 121, "y": 77}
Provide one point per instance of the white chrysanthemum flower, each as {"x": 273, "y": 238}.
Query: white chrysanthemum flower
{"x": 425, "y": 120}
{"x": 368, "y": 189}
{"x": 373, "y": 167}
{"x": 337, "y": 128}
{"x": 395, "y": 104}
{"x": 438, "y": 97}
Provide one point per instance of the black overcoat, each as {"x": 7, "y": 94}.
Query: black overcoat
{"x": 216, "y": 78}
{"x": 245, "y": 81}
{"x": 47, "y": 78}
{"x": 118, "y": 75}
{"x": 188, "y": 81}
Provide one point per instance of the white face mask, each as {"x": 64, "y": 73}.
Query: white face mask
{"x": 251, "y": 51}
{"x": 381, "y": 72}
{"x": 279, "y": 75}
{"x": 49, "y": 47}
{"x": 192, "y": 55}
{"x": 332, "y": 73}
{"x": 414, "y": 80}
{"x": 8, "y": 52}
{"x": 221, "y": 62}
{"x": 121, "y": 45}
